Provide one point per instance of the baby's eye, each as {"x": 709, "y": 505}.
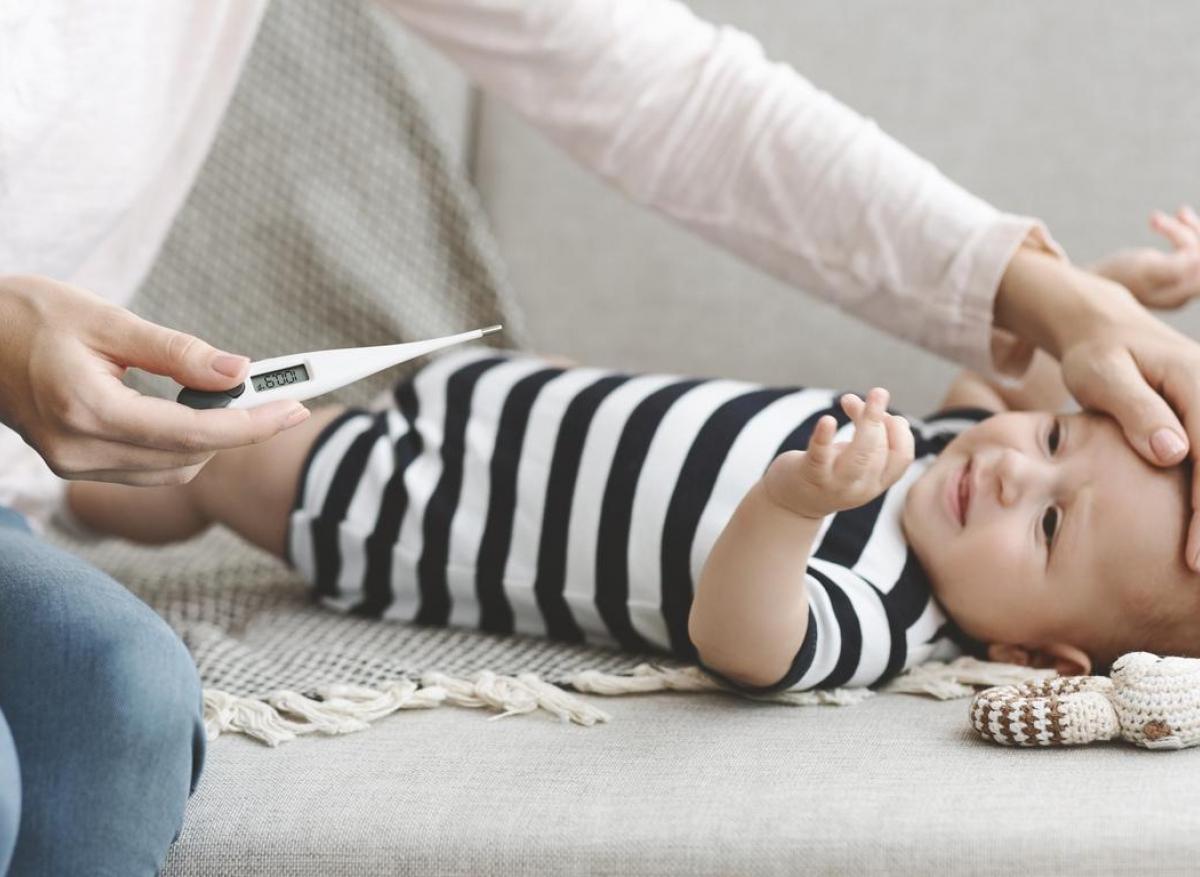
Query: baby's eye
{"x": 1050, "y": 524}
{"x": 1053, "y": 437}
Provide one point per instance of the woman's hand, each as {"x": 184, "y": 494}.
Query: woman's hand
{"x": 63, "y": 351}
{"x": 831, "y": 477}
{"x": 1116, "y": 358}
{"x": 1162, "y": 280}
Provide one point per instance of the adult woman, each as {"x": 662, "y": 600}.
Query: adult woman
{"x": 686, "y": 117}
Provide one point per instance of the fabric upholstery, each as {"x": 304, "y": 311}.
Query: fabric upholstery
{"x": 689, "y": 784}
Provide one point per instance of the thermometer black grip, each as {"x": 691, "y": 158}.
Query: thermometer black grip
{"x": 204, "y": 399}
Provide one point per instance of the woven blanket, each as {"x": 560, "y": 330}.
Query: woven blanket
{"x": 329, "y": 215}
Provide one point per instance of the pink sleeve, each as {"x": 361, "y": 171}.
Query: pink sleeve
{"x": 694, "y": 121}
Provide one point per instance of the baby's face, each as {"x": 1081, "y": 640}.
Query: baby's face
{"x": 1038, "y": 528}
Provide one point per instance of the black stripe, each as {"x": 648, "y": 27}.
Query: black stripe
{"x": 326, "y": 525}
{"x": 850, "y": 631}
{"x": 556, "y": 514}
{"x": 692, "y": 490}
{"x": 495, "y": 614}
{"x": 393, "y": 503}
{"x": 322, "y": 437}
{"x": 904, "y": 604}
{"x": 848, "y": 533}
{"x": 439, "y": 512}
{"x": 616, "y": 512}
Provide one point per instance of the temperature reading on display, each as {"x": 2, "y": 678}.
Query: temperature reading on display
{"x": 281, "y": 378}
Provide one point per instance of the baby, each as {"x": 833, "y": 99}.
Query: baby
{"x": 785, "y": 538}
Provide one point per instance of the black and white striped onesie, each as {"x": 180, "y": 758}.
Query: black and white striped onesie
{"x": 504, "y": 493}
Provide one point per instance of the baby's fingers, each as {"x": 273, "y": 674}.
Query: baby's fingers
{"x": 821, "y": 451}
{"x": 1181, "y": 234}
{"x": 902, "y": 448}
{"x": 867, "y": 450}
{"x": 1188, "y": 217}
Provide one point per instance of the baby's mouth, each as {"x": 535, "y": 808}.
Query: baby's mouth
{"x": 964, "y": 492}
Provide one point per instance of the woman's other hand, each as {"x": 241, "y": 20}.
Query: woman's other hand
{"x": 63, "y": 352}
{"x": 1158, "y": 279}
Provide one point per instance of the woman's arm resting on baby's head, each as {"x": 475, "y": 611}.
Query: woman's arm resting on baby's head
{"x": 750, "y": 613}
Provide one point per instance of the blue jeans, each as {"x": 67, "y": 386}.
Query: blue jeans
{"x": 101, "y": 730}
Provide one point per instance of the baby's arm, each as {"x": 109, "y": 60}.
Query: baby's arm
{"x": 750, "y": 613}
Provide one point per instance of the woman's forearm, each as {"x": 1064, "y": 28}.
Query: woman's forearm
{"x": 693, "y": 120}
{"x": 748, "y": 619}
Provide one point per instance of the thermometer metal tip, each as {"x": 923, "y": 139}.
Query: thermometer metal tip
{"x": 489, "y": 330}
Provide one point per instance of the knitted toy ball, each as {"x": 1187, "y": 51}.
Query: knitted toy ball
{"x": 1149, "y": 701}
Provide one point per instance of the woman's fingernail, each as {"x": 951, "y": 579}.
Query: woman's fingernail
{"x": 299, "y": 414}
{"x": 1167, "y": 445}
{"x": 229, "y": 365}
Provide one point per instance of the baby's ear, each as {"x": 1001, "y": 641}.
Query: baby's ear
{"x": 1064, "y": 659}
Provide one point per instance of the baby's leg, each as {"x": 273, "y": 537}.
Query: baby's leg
{"x": 249, "y": 489}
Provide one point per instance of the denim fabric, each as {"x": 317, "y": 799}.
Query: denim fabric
{"x": 104, "y": 707}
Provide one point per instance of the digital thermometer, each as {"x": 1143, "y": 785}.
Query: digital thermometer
{"x": 301, "y": 376}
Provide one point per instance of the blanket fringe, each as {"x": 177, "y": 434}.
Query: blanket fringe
{"x": 344, "y": 709}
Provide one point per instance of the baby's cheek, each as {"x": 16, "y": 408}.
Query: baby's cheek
{"x": 981, "y": 577}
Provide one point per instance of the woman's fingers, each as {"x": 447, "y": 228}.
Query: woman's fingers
{"x": 131, "y": 341}
{"x": 1116, "y": 384}
{"x": 161, "y": 424}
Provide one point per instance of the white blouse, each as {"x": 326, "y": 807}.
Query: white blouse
{"x": 107, "y": 112}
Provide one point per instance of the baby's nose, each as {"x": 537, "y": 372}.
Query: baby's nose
{"x": 1012, "y": 476}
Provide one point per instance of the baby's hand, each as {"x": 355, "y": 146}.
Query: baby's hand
{"x": 1157, "y": 279}
{"x": 831, "y": 477}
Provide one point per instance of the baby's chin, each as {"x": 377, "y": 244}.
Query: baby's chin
{"x": 923, "y": 520}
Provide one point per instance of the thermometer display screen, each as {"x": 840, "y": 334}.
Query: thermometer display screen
{"x": 283, "y": 377}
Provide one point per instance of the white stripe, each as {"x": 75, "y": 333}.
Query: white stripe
{"x": 316, "y": 487}
{"x": 594, "y": 467}
{"x": 420, "y": 479}
{"x": 533, "y": 475}
{"x": 656, "y": 484}
{"x": 882, "y": 558}
{"x": 469, "y": 518}
{"x": 363, "y": 512}
{"x": 829, "y": 636}
{"x": 872, "y": 620}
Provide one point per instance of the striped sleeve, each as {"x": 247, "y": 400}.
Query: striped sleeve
{"x": 848, "y": 639}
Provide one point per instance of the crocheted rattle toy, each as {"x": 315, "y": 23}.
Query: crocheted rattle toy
{"x": 1150, "y": 701}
